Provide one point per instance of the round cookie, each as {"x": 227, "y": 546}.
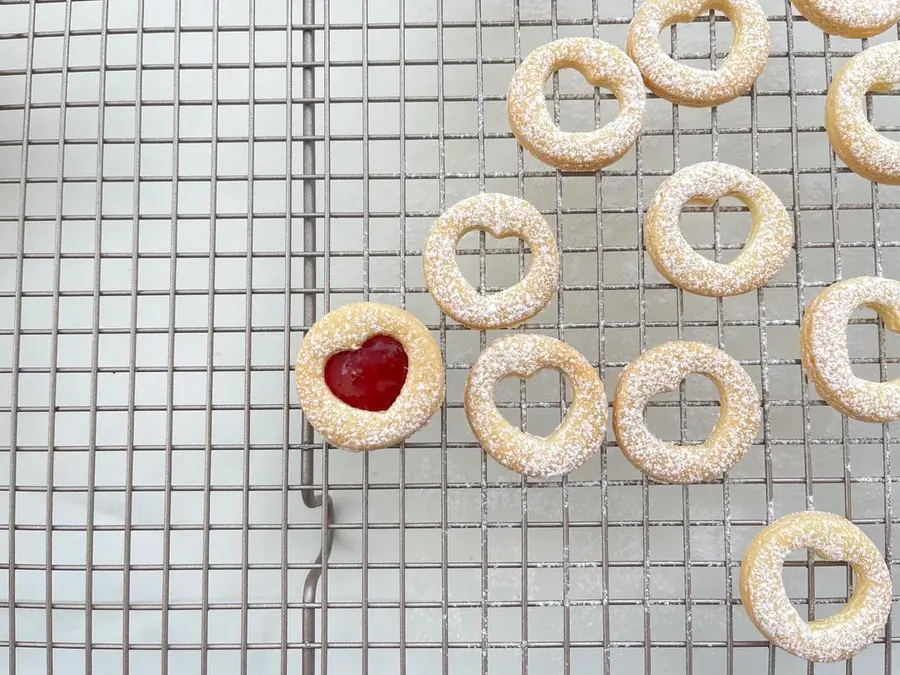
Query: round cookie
{"x": 823, "y": 347}
{"x": 501, "y": 216}
{"x": 662, "y": 369}
{"x": 851, "y": 18}
{"x": 868, "y": 153}
{"x": 832, "y": 538}
{"x": 575, "y": 440}
{"x": 347, "y": 328}
{"x": 602, "y": 65}
{"x": 764, "y": 254}
{"x": 682, "y": 84}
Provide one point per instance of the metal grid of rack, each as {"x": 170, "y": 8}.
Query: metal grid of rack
{"x": 151, "y": 324}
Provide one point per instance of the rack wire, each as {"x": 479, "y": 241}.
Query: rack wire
{"x": 185, "y": 186}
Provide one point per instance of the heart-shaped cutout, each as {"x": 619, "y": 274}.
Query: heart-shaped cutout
{"x": 371, "y": 377}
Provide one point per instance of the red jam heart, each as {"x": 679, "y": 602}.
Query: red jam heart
{"x": 371, "y": 377}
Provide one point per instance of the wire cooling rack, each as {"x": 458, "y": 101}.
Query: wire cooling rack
{"x": 185, "y": 185}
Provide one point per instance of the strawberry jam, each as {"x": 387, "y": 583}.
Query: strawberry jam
{"x": 371, "y": 377}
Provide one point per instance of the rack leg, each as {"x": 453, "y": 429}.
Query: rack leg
{"x": 310, "y": 498}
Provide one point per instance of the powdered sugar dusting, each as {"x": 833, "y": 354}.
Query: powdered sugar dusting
{"x": 868, "y": 153}
{"x": 832, "y": 538}
{"x": 823, "y": 342}
{"x": 661, "y": 369}
{"x": 851, "y": 18}
{"x": 347, "y": 328}
{"x": 691, "y": 86}
{"x": 579, "y": 435}
{"x": 762, "y": 257}
{"x": 502, "y": 216}
{"x": 603, "y": 65}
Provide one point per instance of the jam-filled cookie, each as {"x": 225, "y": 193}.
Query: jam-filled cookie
{"x": 368, "y": 376}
